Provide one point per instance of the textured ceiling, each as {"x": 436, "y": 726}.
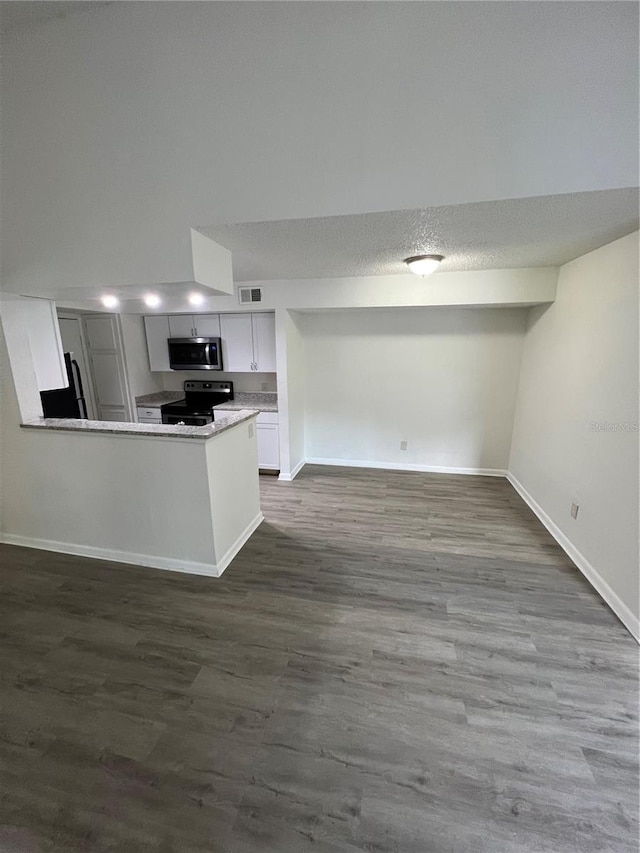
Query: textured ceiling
{"x": 15, "y": 16}
{"x": 528, "y": 232}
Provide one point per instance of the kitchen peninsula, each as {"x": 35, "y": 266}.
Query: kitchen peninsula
{"x": 184, "y": 498}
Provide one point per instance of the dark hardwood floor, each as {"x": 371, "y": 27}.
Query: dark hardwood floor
{"x": 395, "y": 663}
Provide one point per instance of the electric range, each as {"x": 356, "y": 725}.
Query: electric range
{"x": 200, "y": 396}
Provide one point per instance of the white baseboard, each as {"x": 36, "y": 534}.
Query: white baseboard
{"x": 212, "y": 570}
{"x": 293, "y": 474}
{"x": 624, "y": 614}
{"x": 224, "y": 561}
{"x": 406, "y": 466}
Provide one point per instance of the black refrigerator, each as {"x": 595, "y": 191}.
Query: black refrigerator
{"x": 66, "y": 402}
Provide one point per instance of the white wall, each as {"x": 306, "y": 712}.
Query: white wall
{"x": 296, "y": 379}
{"x": 141, "y": 379}
{"x": 232, "y": 460}
{"x": 579, "y": 381}
{"x": 444, "y": 380}
{"x": 92, "y": 491}
{"x": 123, "y": 497}
{"x": 127, "y": 124}
{"x": 291, "y": 392}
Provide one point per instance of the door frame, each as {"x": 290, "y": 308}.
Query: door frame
{"x": 87, "y": 379}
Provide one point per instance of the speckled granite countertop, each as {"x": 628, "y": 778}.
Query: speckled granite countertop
{"x": 147, "y": 430}
{"x": 159, "y": 398}
{"x": 262, "y": 401}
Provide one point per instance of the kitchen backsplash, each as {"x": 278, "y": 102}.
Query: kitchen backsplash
{"x": 247, "y": 382}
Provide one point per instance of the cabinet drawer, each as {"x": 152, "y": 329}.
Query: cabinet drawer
{"x": 267, "y": 418}
{"x": 149, "y": 420}
{"x": 149, "y": 413}
{"x": 219, "y": 414}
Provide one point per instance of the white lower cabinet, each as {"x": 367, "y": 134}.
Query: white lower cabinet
{"x": 268, "y": 446}
{"x": 268, "y": 436}
{"x": 149, "y": 415}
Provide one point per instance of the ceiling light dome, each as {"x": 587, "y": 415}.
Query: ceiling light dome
{"x": 424, "y": 264}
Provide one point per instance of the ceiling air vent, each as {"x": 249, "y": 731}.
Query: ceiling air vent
{"x": 247, "y": 295}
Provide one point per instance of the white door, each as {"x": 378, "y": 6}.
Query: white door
{"x": 106, "y": 356}
{"x": 113, "y": 414}
{"x": 181, "y": 326}
{"x": 109, "y": 388}
{"x": 101, "y": 333}
{"x": 157, "y": 330}
{"x": 72, "y": 341}
{"x": 237, "y": 343}
{"x": 264, "y": 342}
{"x": 207, "y": 325}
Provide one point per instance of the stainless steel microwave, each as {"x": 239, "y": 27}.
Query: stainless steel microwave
{"x": 195, "y": 353}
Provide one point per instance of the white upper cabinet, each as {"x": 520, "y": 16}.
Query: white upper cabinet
{"x": 264, "y": 342}
{"x": 248, "y": 342}
{"x": 181, "y": 326}
{"x": 156, "y": 327}
{"x": 237, "y": 343}
{"x": 41, "y": 324}
{"x": 248, "y": 339}
{"x": 194, "y": 326}
{"x": 206, "y": 325}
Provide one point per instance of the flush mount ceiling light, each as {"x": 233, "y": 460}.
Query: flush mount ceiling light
{"x": 424, "y": 264}
{"x": 110, "y": 301}
{"x": 152, "y": 300}
{"x": 196, "y": 298}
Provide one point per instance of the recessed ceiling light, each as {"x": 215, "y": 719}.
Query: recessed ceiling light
{"x": 424, "y": 264}
{"x": 196, "y": 298}
{"x": 152, "y": 300}
{"x": 110, "y": 301}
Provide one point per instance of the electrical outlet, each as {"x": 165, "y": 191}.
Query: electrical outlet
{"x": 403, "y": 445}
{"x": 264, "y": 386}
{"x": 574, "y": 510}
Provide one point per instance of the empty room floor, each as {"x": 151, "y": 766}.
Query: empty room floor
{"x": 395, "y": 663}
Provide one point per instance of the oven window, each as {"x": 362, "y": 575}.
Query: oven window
{"x": 187, "y": 420}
